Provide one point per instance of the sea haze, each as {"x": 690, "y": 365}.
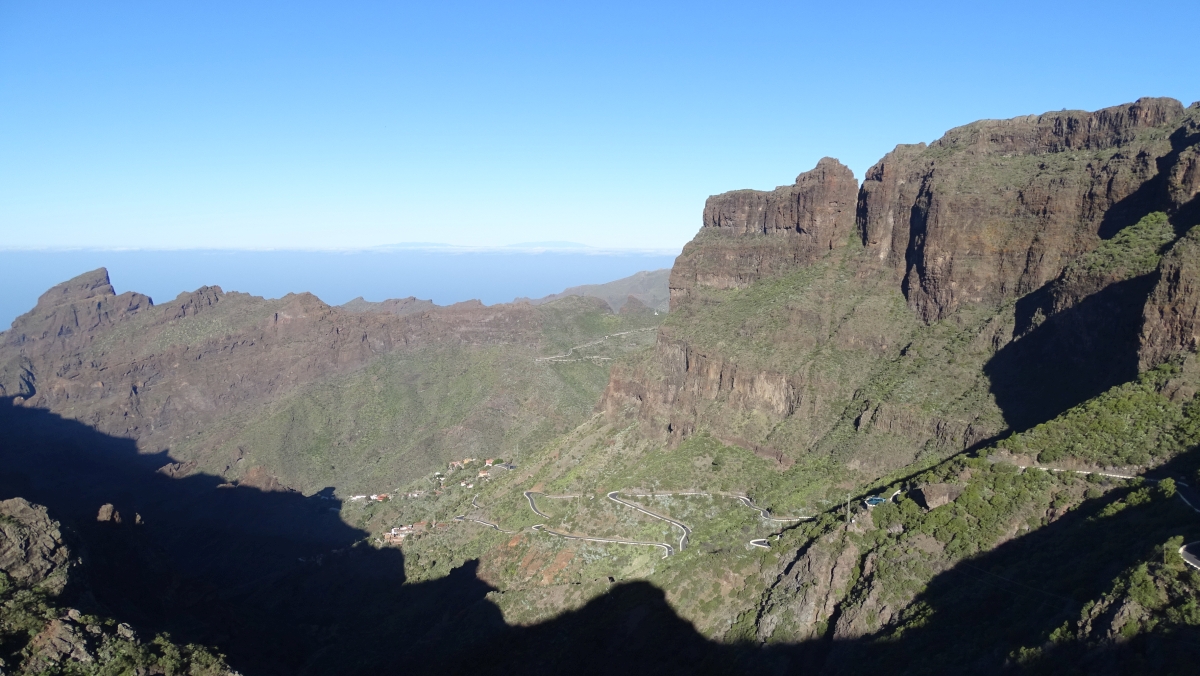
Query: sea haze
{"x": 443, "y": 276}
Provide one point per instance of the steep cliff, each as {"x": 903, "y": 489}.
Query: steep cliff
{"x": 1172, "y": 316}
{"x": 995, "y": 209}
{"x": 750, "y": 234}
{"x": 998, "y": 277}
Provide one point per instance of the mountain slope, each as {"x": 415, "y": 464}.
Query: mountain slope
{"x": 289, "y": 390}
{"x": 649, "y": 288}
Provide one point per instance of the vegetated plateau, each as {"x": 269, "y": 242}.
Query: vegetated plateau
{"x": 944, "y": 420}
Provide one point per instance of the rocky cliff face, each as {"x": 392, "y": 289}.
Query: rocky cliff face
{"x": 67, "y": 316}
{"x": 995, "y": 209}
{"x": 1020, "y": 248}
{"x": 1171, "y": 323}
{"x": 396, "y": 306}
{"x": 751, "y": 234}
{"x": 32, "y": 550}
{"x": 38, "y": 635}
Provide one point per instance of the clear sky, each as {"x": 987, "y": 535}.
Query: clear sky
{"x": 350, "y": 124}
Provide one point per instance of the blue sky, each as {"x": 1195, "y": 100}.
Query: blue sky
{"x": 354, "y": 124}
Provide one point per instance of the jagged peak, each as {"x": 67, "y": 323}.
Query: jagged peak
{"x": 825, "y": 165}
{"x": 88, "y": 285}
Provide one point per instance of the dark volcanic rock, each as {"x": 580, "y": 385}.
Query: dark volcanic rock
{"x": 751, "y": 234}
{"x": 936, "y": 495}
{"x": 988, "y": 220}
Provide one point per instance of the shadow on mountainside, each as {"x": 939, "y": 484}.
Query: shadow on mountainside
{"x": 1071, "y": 357}
{"x": 275, "y": 580}
{"x": 280, "y": 584}
{"x": 1154, "y": 194}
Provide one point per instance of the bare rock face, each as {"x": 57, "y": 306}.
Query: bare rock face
{"x": 32, "y": 551}
{"x": 936, "y": 495}
{"x": 1171, "y": 323}
{"x": 108, "y": 514}
{"x": 805, "y": 597}
{"x": 751, "y": 234}
{"x": 995, "y": 209}
{"x": 1041, "y": 228}
{"x": 67, "y": 315}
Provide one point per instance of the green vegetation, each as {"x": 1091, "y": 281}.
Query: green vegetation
{"x": 1132, "y": 424}
{"x": 1132, "y": 252}
{"x": 410, "y": 411}
{"x": 38, "y": 637}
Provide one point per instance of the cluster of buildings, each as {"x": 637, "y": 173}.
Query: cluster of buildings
{"x": 396, "y": 535}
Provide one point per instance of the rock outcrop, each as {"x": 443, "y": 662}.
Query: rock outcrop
{"x": 933, "y": 496}
{"x": 32, "y": 550}
{"x": 1171, "y": 324}
{"x": 751, "y": 234}
{"x": 69, "y": 314}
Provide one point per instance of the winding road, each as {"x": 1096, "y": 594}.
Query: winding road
{"x": 667, "y": 549}
{"x": 767, "y": 514}
{"x": 533, "y": 505}
{"x": 1191, "y": 551}
{"x": 686, "y": 531}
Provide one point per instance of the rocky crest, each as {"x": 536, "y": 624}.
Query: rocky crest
{"x": 396, "y": 306}
{"x": 751, "y": 234}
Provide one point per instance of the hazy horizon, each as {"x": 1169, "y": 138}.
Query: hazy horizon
{"x": 445, "y": 277}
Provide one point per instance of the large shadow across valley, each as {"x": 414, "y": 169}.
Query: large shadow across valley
{"x": 281, "y": 585}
